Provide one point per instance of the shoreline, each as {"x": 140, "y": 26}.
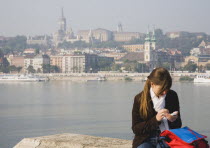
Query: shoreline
{"x": 109, "y": 76}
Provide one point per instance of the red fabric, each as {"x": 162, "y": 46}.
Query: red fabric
{"x": 176, "y": 142}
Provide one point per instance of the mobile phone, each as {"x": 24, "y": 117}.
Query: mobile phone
{"x": 174, "y": 113}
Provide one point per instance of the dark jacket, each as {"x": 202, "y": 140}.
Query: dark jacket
{"x": 142, "y": 129}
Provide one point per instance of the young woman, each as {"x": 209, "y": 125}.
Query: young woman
{"x": 155, "y": 109}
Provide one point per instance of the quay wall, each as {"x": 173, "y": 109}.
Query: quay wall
{"x": 108, "y": 76}
{"x": 68, "y": 140}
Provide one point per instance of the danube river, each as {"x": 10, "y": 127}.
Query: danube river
{"x": 93, "y": 108}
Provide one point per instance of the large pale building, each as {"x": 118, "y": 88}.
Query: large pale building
{"x": 121, "y": 36}
{"x": 78, "y": 63}
{"x": 91, "y": 36}
{"x": 126, "y": 36}
{"x": 73, "y": 64}
{"x": 99, "y": 34}
{"x": 104, "y": 35}
{"x": 37, "y": 62}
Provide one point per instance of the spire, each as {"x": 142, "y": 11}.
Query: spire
{"x": 147, "y": 35}
{"x": 62, "y": 21}
{"x": 62, "y": 15}
{"x": 153, "y": 30}
{"x": 90, "y": 33}
{"x": 148, "y": 30}
{"x": 153, "y": 34}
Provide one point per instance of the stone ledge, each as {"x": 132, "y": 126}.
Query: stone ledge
{"x": 73, "y": 141}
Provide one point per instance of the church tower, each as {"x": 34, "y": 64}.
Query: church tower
{"x": 90, "y": 36}
{"x": 62, "y": 22}
{"x": 119, "y": 28}
{"x": 147, "y": 48}
{"x": 60, "y": 35}
{"x": 150, "y": 53}
{"x": 153, "y": 39}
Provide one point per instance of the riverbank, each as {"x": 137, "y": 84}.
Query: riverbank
{"x": 73, "y": 141}
{"x": 108, "y": 76}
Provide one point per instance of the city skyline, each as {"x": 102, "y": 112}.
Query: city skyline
{"x": 41, "y": 17}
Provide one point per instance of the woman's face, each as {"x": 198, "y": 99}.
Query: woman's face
{"x": 156, "y": 89}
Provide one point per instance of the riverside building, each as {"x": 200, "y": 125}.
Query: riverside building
{"x": 78, "y": 63}
{"x": 36, "y": 62}
{"x": 17, "y": 61}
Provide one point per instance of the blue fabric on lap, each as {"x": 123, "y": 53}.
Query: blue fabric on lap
{"x": 187, "y": 135}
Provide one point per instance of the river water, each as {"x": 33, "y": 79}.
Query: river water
{"x": 93, "y": 108}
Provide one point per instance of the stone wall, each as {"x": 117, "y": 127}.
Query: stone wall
{"x": 73, "y": 141}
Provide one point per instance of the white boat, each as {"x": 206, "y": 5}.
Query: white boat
{"x": 144, "y": 79}
{"x": 101, "y": 78}
{"x": 202, "y": 78}
{"x": 21, "y": 78}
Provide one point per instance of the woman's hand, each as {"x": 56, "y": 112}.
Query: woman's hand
{"x": 161, "y": 114}
{"x": 172, "y": 117}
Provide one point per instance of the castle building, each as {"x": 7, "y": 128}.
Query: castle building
{"x": 121, "y": 36}
{"x": 125, "y": 36}
{"x": 99, "y": 34}
{"x": 104, "y": 35}
{"x": 91, "y": 36}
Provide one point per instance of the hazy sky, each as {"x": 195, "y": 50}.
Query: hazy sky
{"x": 35, "y": 17}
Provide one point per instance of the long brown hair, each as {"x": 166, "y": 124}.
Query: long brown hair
{"x": 159, "y": 76}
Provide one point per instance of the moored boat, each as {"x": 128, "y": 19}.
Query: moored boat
{"x": 202, "y": 78}
{"x": 101, "y": 78}
{"x": 21, "y": 78}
